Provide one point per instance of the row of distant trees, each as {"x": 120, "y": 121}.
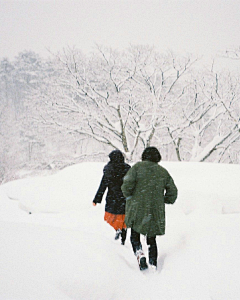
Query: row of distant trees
{"x": 74, "y": 107}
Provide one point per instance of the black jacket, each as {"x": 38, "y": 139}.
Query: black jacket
{"x": 112, "y": 180}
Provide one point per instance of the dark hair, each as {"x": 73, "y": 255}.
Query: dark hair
{"x": 151, "y": 154}
{"x": 116, "y": 156}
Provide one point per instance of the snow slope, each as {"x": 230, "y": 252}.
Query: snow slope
{"x": 64, "y": 249}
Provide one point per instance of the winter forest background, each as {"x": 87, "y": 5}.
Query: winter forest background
{"x": 74, "y": 107}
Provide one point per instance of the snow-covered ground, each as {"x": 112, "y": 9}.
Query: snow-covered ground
{"x": 64, "y": 249}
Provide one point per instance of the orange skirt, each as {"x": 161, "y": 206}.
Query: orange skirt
{"x": 116, "y": 221}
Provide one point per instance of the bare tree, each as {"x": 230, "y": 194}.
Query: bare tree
{"x": 75, "y": 106}
{"x": 117, "y": 98}
{"x": 210, "y": 118}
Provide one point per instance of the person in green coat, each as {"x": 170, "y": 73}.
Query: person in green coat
{"x": 147, "y": 187}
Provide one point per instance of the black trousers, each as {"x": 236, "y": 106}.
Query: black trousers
{"x": 151, "y": 242}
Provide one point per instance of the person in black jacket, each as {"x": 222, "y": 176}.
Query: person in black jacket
{"x": 112, "y": 180}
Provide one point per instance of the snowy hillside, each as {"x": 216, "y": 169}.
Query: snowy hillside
{"x": 64, "y": 249}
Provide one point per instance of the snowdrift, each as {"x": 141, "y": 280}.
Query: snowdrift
{"x": 202, "y": 186}
{"x": 64, "y": 249}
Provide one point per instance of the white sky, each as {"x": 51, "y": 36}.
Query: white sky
{"x": 183, "y": 25}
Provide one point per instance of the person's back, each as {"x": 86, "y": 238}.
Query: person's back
{"x": 145, "y": 208}
{"x": 112, "y": 180}
{"x": 113, "y": 174}
{"x": 147, "y": 188}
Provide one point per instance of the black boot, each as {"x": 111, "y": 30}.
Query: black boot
{"x": 124, "y": 235}
{"x": 118, "y": 233}
{"x": 152, "y": 251}
{"x": 141, "y": 260}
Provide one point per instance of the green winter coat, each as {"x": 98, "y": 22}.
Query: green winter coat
{"x": 148, "y": 187}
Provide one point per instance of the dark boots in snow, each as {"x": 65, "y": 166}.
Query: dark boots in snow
{"x": 118, "y": 233}
{"x": 152, "y": 252}
{"x": 141, "y": 260}
{"x": 124, "y": 235}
